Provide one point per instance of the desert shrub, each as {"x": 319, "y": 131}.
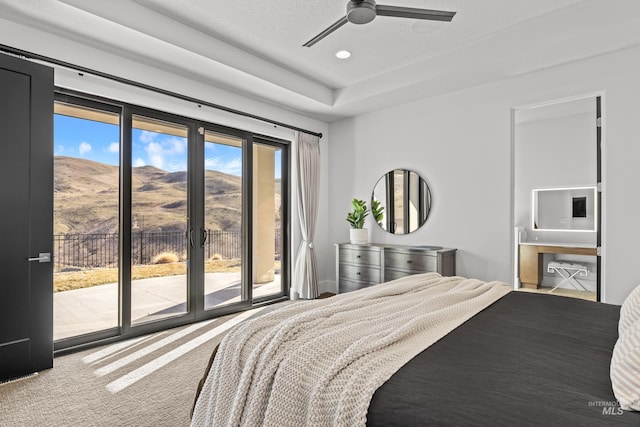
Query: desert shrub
{"x": 165, "y": 258}
{"x": 215, "y": 257}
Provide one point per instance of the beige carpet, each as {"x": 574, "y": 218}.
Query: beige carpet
{"x": 147, "y": 381}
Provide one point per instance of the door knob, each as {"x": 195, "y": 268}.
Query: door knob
{"x": 42, "y": 257}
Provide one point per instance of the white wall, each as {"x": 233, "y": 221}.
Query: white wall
{"x": 553, "y": 152}
{"x": 462, "y": 144}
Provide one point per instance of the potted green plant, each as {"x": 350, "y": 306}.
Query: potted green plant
{"x": 358, "y": 234}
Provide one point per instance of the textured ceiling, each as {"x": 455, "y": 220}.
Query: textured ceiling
{"x": 255, "y": 47}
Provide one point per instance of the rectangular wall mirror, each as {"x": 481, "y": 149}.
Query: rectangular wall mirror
{"x": 564, "y": 209}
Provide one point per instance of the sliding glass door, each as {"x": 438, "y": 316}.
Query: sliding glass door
{"x": 222, "y": 231}
{"x": 159, "y": 219}
{"x": 268, "y": 219}
{"x": 162, "y": 220}
{"x": 245, "y": 207}
{"x": 85, "y": 241}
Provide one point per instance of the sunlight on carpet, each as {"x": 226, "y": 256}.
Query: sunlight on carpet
{"x": 144, "y": 381}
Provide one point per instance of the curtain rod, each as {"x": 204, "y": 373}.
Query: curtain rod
{"x": 31, "y": 55}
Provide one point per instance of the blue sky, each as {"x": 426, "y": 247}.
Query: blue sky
{"x": 98, "y": 141}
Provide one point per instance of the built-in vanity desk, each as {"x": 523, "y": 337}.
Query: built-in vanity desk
{"x": 531, "y": 263}
{"x": 359, "y": 266}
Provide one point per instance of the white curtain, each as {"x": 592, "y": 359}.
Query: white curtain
{"x": 305, "y": 272}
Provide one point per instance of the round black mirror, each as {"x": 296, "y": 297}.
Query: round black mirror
{"x": 405, "y": 200}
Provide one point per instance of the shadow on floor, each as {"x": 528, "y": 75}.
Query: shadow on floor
{"x": 212, "y": 299}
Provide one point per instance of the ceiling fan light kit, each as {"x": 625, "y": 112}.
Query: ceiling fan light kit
{"x": 361, "y": 12}
{"x": 365, "y": 11}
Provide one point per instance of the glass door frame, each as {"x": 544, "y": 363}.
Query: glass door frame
{"x": 195, "y": 253}
{"x": 70, "y": 98}
{"x": 247, "y": 300}
{"x": 285, "y": 241}
{"x": 199, "y": 229}
{"x": 126, "y": 194}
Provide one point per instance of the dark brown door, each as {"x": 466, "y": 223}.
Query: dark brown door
{"x": 26, "y": 217}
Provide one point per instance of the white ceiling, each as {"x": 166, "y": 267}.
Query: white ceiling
{"x": 254, "y": 47}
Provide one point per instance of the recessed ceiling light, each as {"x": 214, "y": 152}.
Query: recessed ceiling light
{"x": 343, "y": 54}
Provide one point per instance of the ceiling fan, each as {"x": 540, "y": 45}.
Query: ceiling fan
{"x": 364, "y": 11}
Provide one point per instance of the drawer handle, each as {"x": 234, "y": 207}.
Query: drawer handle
{"x": 358, "y": 273}
{"x": 357, "y": 256}
{"x": 408, "y": 261}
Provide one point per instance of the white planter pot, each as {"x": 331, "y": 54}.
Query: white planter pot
{"x": 359, "y": 236}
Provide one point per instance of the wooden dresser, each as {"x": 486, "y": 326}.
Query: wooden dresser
{"x": 359, "y": 266}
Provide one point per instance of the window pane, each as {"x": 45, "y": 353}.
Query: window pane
{"x": 222, "y": 219}
{"x": 86, "y": 169}
{"x": 267, "y": 226}
{"x": 158, "y": 220}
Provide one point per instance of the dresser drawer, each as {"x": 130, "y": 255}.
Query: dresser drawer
{"x": 400, "y": 260}
{"x": 348, "y": 286}
{"x": 359, "y": 273}
{"x": 359, "y": 266}
{"x": 390, "y": 274}
{"x": 360, "y": 256}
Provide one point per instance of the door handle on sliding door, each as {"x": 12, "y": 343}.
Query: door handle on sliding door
{"x": 203, "y": 237}
{"x": 42, "y": 257}
{"x": 191, "y": 241}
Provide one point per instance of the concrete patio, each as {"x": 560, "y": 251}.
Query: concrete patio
{"x": 81, "y": 311}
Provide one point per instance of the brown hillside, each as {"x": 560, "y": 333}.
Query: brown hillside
{"x": 86, "y": 198}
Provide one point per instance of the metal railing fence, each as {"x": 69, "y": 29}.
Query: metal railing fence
{"x": 74, "y": 252}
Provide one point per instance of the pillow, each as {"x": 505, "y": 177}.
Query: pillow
{"x": 629, "y": 311}
{"x": 625, "y": 368}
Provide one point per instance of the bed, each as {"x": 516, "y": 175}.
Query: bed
{"x": 517, "y": 359}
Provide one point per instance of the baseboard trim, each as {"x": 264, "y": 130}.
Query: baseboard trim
{"x": 327, "y": 286}
{"x": 15, "y": 380}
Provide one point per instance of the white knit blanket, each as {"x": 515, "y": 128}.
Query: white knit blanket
{"x": 318, "y": 363}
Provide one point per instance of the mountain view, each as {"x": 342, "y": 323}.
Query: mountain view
{"x": 86, "y": 198}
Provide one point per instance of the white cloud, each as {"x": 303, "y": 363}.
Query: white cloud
{"x": 231, "y": 167}
{"x": 177, "y": 166}
{"x": 139, "y": 162}
{"x": 164, "y": 151}
{"x": 146, "y": 136}
{"x": 156, "y": 154}
{"x": 176, "y": 145}
{"x": 84, "y": 147}
{"x": 212, "y": 163}
{"x": 114, "y": 147}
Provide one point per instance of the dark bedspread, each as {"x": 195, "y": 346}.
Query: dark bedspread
{"x": 528, "y": 359}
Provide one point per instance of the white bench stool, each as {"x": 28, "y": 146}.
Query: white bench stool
{"x": 568, "y": 271}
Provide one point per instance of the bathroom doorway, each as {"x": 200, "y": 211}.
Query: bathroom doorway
{"x": 557, "y": 197}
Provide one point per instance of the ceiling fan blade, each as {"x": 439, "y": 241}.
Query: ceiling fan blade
{"x": 410, "y": 12}
{"x": 339, "y": 23}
